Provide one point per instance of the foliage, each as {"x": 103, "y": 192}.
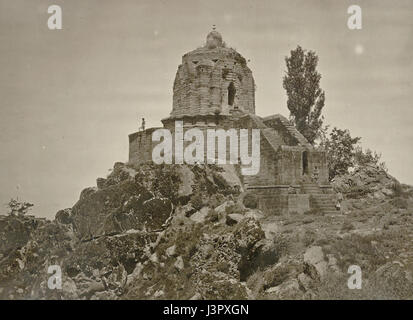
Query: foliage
{"x": 340, "y": 148}
{"x": 344, "y": 152}
{"x": 18, "y": 208}
{"x": 166, "y": 181}
{"x": 197, "y": 201}
{"x": 305, "y": 97}
{"x": 400, "y": 203}
{"x": 398, "y": 190}
{"x": 368, "y": 157}
{"x": 250, "y": 201}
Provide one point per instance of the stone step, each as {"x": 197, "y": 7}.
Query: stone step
{"x": 327, "y": 204}
{"x": 293, "y": 131}
{"x": 331, "y": 212}
{"x": 323, "y": 201}
{"x": 323, "y": 196}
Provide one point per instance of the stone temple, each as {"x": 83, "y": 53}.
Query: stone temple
{"x": 214, "y": 88}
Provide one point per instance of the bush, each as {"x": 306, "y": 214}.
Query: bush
{"x": 309, "y": 238}
{"x": 347, "y": 226}
{"x": 357, "y": 249}
{"x": 281, "y": 245}
{"x": 368, "y": 157}
{"x": 166, "y": 181}
{"x": 275, "y": 276}
{"x": 340, "y": 148}
{"x": 212, "y": 216}
{"x": 399, "y": 203}
{"x": 197, "y": 201}
{"x": 397, "y": 189}
{"x": 18, "y": 208}
{"x": 250, "y": 201}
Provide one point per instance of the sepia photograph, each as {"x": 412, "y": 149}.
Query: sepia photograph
{"x": 206, "y": 150}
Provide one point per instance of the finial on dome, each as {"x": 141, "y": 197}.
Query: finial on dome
{"x": 214, "y": 39}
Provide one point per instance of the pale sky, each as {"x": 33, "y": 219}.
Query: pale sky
{"x": 69, "y": 98}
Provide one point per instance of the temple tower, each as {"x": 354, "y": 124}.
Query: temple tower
{"x": 212, "y": 80}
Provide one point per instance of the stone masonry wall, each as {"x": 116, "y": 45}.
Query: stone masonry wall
{"x": 202, "y": 82}
{"x": 141, "y": 145}
{"x": 318, "y": 159}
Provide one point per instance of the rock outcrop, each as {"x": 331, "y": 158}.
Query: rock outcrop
{"x": 191, "y": 232}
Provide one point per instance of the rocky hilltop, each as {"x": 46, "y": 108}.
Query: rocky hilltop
{"x": 192, "y": 232}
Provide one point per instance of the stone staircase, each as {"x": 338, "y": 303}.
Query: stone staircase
{"x": 323, "y": 201}
{"x": 294, "y": 132}
{"x": 272, "y": 137}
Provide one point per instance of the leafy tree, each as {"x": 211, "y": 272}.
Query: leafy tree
{"x": 369, "y": 157}
{"x": 340, "y": 148}
{"x": 305, "y": 97}
{"x": 18, "y": 208}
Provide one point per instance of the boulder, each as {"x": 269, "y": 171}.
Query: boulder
{"x": 315, "y": 263}
{"x": 305, "y": 281}
{"x": 187, "y": 181}
{"x": 234, "y": 218}
{"x": 170, "y": 252}
{"x": 179, "y": 263}
{"x": 289, "y": 289}
{"x": 200, "y": 216}
{"x": 221, "y": 209}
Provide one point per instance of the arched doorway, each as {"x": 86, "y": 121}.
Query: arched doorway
{"x": 231, "y": 94}
{"x": 305, "y": 162}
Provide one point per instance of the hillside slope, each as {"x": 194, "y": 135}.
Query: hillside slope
{"x": 190, "y": 232}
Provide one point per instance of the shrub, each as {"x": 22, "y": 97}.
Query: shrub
{"x": 166, "y": 181}
{"x": 340, "y": 148}
{"x": 250, "y": 201}
{"x": 368, "y": 157}
{"x": 215, "y": 200}
{"x": 18, "y": 208}
{"x": 397, "y": 189}
{"x": 399, "y": 203}
{"x": 281, "y": 245}
{"x": 276, "y": 276}
{"x": 347, "y": 226}
{"x": 212, "y": 216}
{"x": 357, "y": 249}
{"x": 197, "y": 201}
{"x": 309, "y": 238}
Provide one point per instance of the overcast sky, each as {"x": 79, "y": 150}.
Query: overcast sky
{"x": 69, "y": 98}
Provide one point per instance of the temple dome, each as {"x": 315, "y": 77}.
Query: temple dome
{"x": 213, "y": 40}
{"x": 213, "y": 79}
